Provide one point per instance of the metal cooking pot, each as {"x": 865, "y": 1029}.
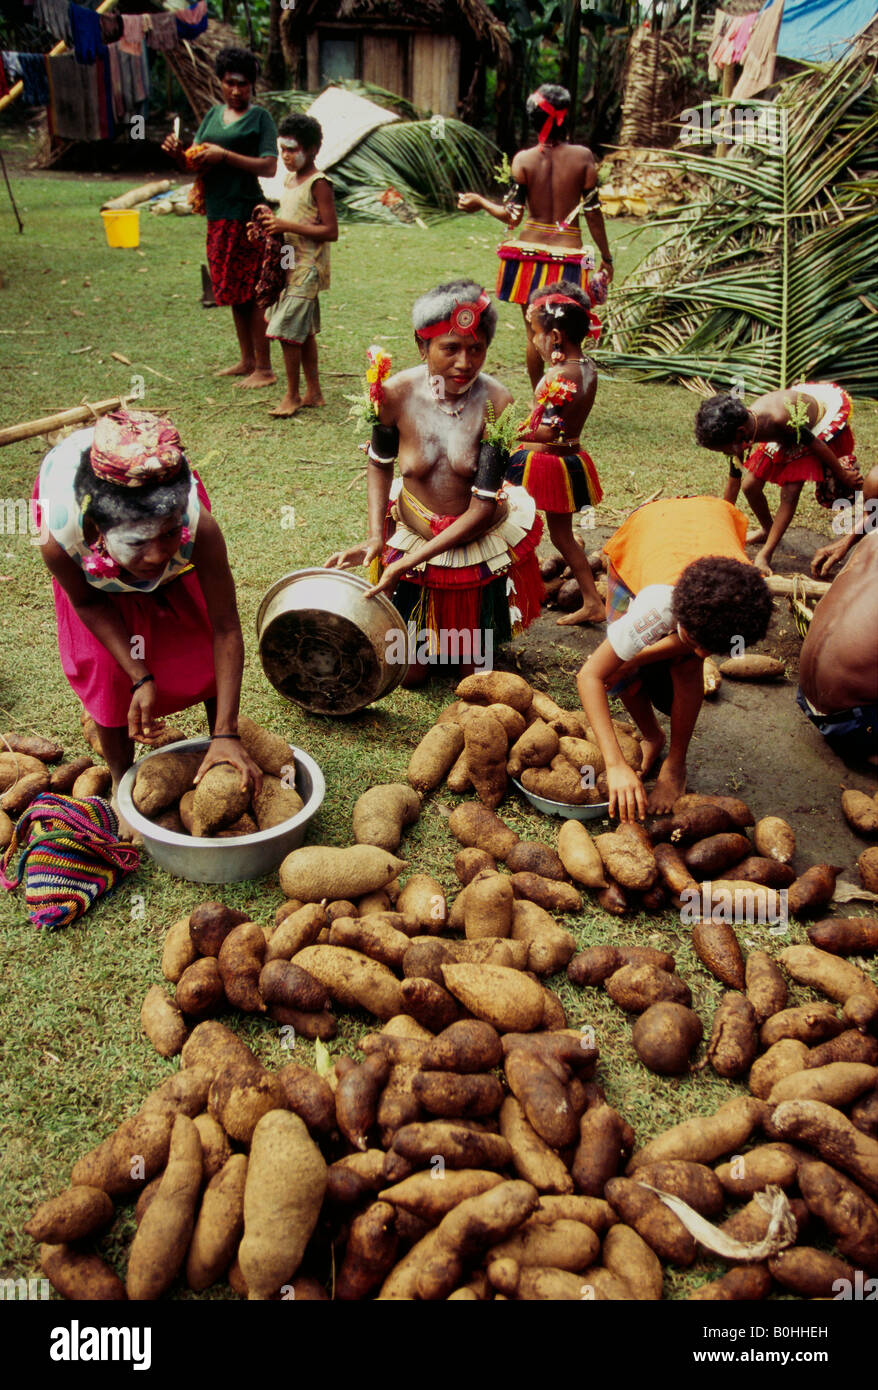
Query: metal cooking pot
{"x": 325, "y": 646}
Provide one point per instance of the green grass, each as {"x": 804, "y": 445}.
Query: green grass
{"x": 74, "y": 1063}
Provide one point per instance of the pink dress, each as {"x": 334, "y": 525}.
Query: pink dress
{"x": 169, "y": 614}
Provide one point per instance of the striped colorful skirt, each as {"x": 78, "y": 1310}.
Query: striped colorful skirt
{"x": 525, "y": 268}
{"x": 556, "y": 482}
{"x": 491, "y": 585}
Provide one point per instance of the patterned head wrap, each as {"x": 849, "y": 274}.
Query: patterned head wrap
{"x": 133, "y": 447}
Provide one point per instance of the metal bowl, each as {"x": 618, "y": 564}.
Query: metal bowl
{"x": 564, "y": 809}
{"x": 202, "y": 860}
{"x": 325, "y": 646}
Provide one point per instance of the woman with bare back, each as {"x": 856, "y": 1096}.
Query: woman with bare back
{"x": 553, "y": 181}
{"x": 788, "y": 438}
{"x": 452, "y": 545}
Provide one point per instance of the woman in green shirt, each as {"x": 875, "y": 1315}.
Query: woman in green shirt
{"x": 234, "y": 146}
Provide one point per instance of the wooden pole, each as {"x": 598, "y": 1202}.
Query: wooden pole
{"x": 75, "y": 416}
{"x": 802, "y": 585}
{"x": 16, "y": 90}
{"x": 728, "y": 88}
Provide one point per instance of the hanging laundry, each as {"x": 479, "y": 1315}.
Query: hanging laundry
{"x": 111, "y": 28}
{"x": 53, "y": 16}
{"x": 33, "y": 76}
{"x": 12, "y": 64}
{"x": 132, "y": 34}
{"x": 742, "y": 38}
{"x": 74, "y": 109}
{"x": 163, "y": 35}
{"x": 115, "y": 68}
{"x": 192, "y": 22}
{"x": 87, "y": 42}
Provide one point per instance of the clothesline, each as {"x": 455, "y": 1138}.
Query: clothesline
{"x": 98, "y": 38}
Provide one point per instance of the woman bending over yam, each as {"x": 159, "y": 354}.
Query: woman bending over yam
{"x": 144, "y": 597}
{"x": 789, "y": 438}
{"x": 449, "y": 541}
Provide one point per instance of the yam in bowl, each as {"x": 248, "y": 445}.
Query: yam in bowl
{"x": 202, "y": 860}
{"x": 565, "y": 809}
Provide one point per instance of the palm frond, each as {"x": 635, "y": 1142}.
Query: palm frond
{"x": 772, "y": 277}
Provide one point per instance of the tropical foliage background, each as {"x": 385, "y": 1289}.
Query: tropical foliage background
{"x": 771, "y": 276}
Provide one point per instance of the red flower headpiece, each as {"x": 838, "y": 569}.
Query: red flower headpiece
{"x": 552, "y": 299}
{"x": 554, "y": 115}
{"x": 464, "y": 319}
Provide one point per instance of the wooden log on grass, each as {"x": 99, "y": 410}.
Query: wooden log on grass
{"x": 13, "y": 433}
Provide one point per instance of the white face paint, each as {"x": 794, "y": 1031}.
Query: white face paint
{"x": 145, "y": 544}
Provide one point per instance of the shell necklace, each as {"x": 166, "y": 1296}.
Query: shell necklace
{"x": 437, "y": 391}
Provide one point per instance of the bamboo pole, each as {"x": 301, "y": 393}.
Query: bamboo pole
{"x": 75, "y": 416}
{"x": 801, "y": 585}
{"x": 16, "y": 90}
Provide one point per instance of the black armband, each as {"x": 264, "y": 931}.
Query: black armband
{"x": 491, "y": 467}
{"x": 590, "y": 201}
{"x": 516, "y": 196}
{"x": 384, "y": 445}
{"x": 734, "y": 470}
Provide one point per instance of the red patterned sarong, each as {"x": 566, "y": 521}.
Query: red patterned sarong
{"x": 234, "y": 262}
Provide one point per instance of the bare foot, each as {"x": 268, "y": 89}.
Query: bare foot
{"x": 761, "y": 561}
{"x": 649, "y": 751}
{"x": 126, "y": 831}
{"x": 290, "y": 405}
{"x": 258, "y": 378}
{"x": 309, "y": 400}
{"x": 239, "y": 369}
{"x": 671, "y": 783}
{"x": 588, "y": 613}
{"x": 757, "y": 537}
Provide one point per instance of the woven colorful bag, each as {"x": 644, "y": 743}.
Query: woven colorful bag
{"x": 69, "y": 854}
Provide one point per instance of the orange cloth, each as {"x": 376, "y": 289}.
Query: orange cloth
{"x": 658, "y": 541}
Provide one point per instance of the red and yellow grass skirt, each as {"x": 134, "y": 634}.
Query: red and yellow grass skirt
{"x": 525, "y": 267}
{"x": 556, "y": 482}
{"x": 779, "y": 463}
{"x": 491, "y": 585}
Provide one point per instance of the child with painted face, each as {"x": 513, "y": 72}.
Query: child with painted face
{"x": 306, "y": 218}
{"x": 449, "y": 540}
{"x": 787, "y": 438}
{"x": 144, "y": 597}
{"x": 560, "y": 476}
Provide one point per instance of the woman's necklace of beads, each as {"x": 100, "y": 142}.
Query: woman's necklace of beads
{"x": 455, "y": 411}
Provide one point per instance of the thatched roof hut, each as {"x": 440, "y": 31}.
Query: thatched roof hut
{"x": 434, "y": 53}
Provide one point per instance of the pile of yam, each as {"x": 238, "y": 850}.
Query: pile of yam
{"x": 218, "y": 806}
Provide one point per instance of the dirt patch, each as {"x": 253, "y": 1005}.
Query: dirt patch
{"x": 751, "y": 739}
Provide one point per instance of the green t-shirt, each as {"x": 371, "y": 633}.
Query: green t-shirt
{"x": 229, "y": 192}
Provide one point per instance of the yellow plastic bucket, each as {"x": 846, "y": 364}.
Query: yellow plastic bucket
{"x": 122, "y": 228}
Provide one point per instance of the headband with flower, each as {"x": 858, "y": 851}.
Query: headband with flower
{"x": 464, "y": 319}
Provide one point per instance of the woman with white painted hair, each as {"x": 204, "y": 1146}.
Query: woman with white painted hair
{"x": 144, "y": 597}
{"x": 449, "y": 541}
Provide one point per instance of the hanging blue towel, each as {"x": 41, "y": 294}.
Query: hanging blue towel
{"x": 192, "y": 22}
{"x": 88, "y": 43}
{"x": 33, "y": 76}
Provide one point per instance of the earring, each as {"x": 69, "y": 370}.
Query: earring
{"x": 557, "y": 355}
